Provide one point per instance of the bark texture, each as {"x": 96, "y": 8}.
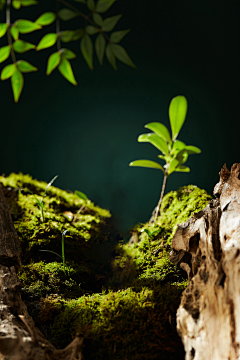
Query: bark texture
{"x": 207, "y": 247}
{"x": 19, "y": 338}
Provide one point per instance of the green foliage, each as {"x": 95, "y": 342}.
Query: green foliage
{"x": 98, "y": 26}
{"x": 25, "y": 67}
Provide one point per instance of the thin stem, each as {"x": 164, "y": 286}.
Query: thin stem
{"x": 8, "y": 17}
{"x": 58, "y": 28}
{"x": 78, "y": 212}
{"x": 162, "y": 194}
{"x": 85, "y": 17}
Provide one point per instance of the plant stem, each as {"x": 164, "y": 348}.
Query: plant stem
{"x": 161, "y": 197}
{"x": 63, "y": 255}
{"x": 8, "y": 30}
{"x": 78, "y": 212}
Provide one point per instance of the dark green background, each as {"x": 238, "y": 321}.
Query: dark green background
{"x": 88, "y": 134}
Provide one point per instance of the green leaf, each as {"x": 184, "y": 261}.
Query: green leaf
{"x": 4, "y": 53}
{"x": 2, "y": 3}
{"x": 66, "y": 35}
{"x": 172, "y": 166}
{"x": 46, "y": 19}
{"x": 100, "y": 44}
{"x": 21, "y": 46}
{"x": 8, "y": 71}
{"x": 155, "y": 140}
{"x": 192, "y": 150}
{"x": 97, "y": 19}
{"x": 14, "y": 32}
{"x": 17, "y": 84}
{"x": 122, "y": 55}
{"x": 49, "y": 184}
{"x": 3, "y": 29}
{"x": 117, "y": 36}
{"x": 51, "y": 252}
{"x": 91, "y": 30}
{"x": 68, "y": 54}
{"x": 148, "y": 164}
{"x": 28, "y": 2}
{"x": 26, "y": 26}
{"x": 87, "y": 50}
{"x": 77, "y": 34}
{"x": 177, "y": 114}
{"x": 110, "y": 56}
{"x": 162, "y": 157}
{"x": 66, "y": 14}
{"x": 109, "y": 23}
{"x": 103, "y": 5}
{"x": 182, "y": 169}
{"x": 66, "y": 71}
{"x": 91, "y": 4}
{"x": 53, "y": 62}
{"x": 147, "y": 232}
{"x": 16, "y": 4}
{"x": 25, "y": 67}
{"x": 182, "y": 156}
{"x": 160, "y": 130}
{"x": 47, "y": 41}
{"x": 178, "y": 145}
{"x": 81, "y": 195}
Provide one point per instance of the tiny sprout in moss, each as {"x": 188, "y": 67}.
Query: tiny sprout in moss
{"x": 174, "y": 152}
{"x": 63, "y": 253}
{"x": 40, "y": 203}
{"x": 83, "y": 196}
{"x": 150, "y": 234}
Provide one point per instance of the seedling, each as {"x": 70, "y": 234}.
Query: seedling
{"x": 63, "y": 254}
{"x": 150, "y": 234}
{"x": 81, "y": 195}
{"x": 40, "y": 203}
{"x": 174, "y": 152}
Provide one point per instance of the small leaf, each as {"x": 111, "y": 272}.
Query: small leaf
{"x": 172, "y": 166}
{"x": 87, "y": 50}
{"x": 26, "y": 26}
{"x": 147, "y": 232}
{"x": 100, "y": 44}
{"x": 3, "y": 29}
{"x": 47, "y": 41}
{"x": 53, "y": 62}
{"x": 81, "y": 195}
{"x": 192, "y": 150}
{"x": 66, "y": 35}
{"x": 110, "y": 56}
{"x": 97, "y": 19}
{"x": 77, "y": 34}
{"x": 117, "y": 36}
{"x": 8, "y": 71}
{"x": 46, "y": 19}
{"x": 51, "y": 252}
{"x": 66, "y": 71}
{"x": 103, "y": 5}
{"x": 49, "y": 184}
{"x": 25, "y": 67}
{"x": 182, "y": 156}
{"x": 4, "y": 53}
{"x": 182, "y": 168}
{"x": 155, "y": 140}
{"x": 177, "y": 114}
{"x": 122, "y": 55}
{"x": 178, "y": 145}
{"x": 91, "y": 30}
{"x": 160, "y": 130}
{"x": 91, "y": 4}
{"x": 17, "y": 84}
{"x": 16, "y": 4}
{"x": 148, "y": 164}
{"x": 66, "y": 14}
{"x": 68, "y": 54}
{"x": 21, "y": 46}
{"x": 14, "y": 32}
{"x": 28, "y": 2}
{"x": 109, "y": 23}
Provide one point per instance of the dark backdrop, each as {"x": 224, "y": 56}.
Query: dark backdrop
{"x": 88, "y": 134}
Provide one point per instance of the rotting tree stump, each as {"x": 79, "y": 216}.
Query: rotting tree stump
{"x": 19, "y": 338}
{"x": 207, "y": 247}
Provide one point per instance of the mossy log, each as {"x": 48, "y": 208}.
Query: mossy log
{"x": 207, "y": 247}
{"x": 19, "y": 338}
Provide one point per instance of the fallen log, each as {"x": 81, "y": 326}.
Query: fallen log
{"x": 207, "y": 247}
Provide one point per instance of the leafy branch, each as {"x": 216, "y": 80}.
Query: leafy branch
{"x": 99, "y": 27}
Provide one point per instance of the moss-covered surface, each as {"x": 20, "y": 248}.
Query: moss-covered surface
{"x": 122, "y": 297}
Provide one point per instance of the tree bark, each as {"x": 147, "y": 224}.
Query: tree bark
{"x": 207, "y": 247}
{"x": 19, "y": 338}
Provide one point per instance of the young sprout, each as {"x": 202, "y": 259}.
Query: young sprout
{"x": 63, "y": 253}
{"x": 40, "y": 203}
{"x": 174, "y": 152}
{"x": 81, "y": 195}
{"x": 150, "y": 234}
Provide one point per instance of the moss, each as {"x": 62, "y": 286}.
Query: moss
{"x": 124, "y": 301}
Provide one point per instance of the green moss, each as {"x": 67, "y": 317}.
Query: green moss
{"x": 134, "y": 317}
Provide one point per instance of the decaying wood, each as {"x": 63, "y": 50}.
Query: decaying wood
{"x": 207, "y": 247}
{"x": 19, "y": 338}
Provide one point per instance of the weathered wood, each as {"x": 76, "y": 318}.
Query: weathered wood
{"x": 207, "y": 246}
